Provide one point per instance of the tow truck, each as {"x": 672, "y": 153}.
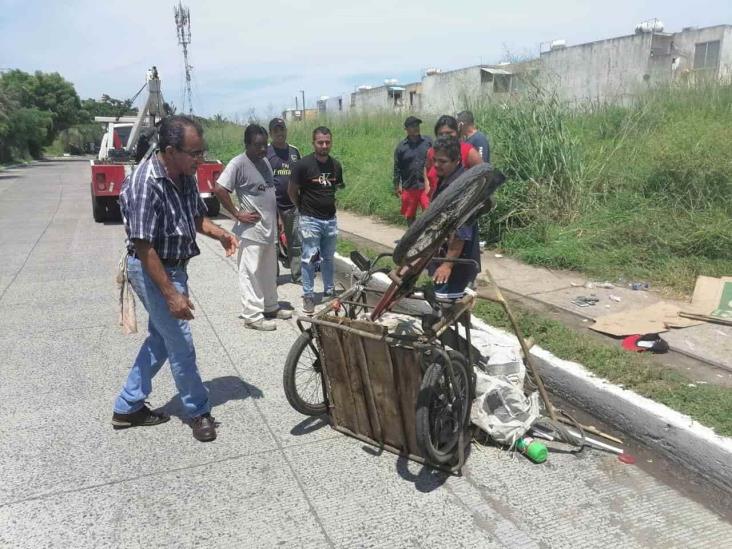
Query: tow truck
{"x": 130, "y": 140}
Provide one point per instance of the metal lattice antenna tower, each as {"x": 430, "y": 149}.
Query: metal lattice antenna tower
{"x": 183, "y": 28}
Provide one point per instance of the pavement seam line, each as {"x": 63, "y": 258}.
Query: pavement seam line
{"x": 30, "y": 252}
{"x": 154, "y": 474}
{"x": 271, "y": 432}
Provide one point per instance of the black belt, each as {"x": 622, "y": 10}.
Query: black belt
{"x": 170, "y": 263}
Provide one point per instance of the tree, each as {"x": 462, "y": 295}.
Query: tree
{"x": 106, "y": 106}
{"x": 43, "y": 92}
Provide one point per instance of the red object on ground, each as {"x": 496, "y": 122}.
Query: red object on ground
{"x": 629, "y": 344}
{"x": 626, "y": 458}
{"x": 647, "y": 342}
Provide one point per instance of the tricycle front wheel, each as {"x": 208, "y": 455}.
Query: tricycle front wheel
{"x": 303, "y": 377}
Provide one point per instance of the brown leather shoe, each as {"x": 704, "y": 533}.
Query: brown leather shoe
{"x": 204, "y": 428}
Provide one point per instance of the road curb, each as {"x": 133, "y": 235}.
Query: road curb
{"x": 677, "y": 436}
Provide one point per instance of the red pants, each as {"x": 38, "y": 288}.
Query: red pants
{"x": 411, "y": 198}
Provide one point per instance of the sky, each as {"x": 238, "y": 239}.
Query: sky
{"x": 259, "y": 55}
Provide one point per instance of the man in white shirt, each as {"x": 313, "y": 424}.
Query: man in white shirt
{"x": 250, "y": 176}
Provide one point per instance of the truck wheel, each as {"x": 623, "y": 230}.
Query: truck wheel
{"x": 213, "y": 205}
{"x": 98, "y": 210}
{"x": 113, "y": 211}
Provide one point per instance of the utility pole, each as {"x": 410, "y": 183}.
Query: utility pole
{"x": 297, "y": 108}
{"x": 183, "y": 28}
{"x": 303, "y": 103}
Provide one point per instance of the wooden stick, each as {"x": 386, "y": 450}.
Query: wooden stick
{"x": 524, "y": 347}
{"x": 593, "y": 430}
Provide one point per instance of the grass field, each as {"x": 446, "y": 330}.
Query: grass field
{"x": 642, "y": 192}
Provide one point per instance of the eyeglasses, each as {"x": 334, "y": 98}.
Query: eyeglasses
{"x": 194, "y": 154}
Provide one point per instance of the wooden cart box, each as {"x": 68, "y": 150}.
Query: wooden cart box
{"x": 372, "y": 385}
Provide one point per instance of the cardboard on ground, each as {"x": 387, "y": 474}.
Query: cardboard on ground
{"x": 652, "y": 319}
{"x": 712, "y": 300}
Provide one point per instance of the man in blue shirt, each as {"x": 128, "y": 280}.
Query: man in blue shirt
{"x": 162, "y": 211}
{"x": 451, "y": 279}
{"x": 282, "y": 157}
{"x": 470, "y": 134}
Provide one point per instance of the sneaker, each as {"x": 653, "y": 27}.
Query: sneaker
{"x": 308, "y": 305}
{"x": 327, "y": 294}
{"x": 144, "y": 417}
{"x": 261, "y": 324}
{"x": 204, "y": 428}
{"x": 279, "y": 314}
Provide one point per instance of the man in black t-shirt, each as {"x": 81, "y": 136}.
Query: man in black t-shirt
{"x": 282, "y": 157}
{"x": 312, "y": 189}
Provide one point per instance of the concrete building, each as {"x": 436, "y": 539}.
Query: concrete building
{"x": 296, "y": 115}
{"x": 617, "y": 69}
{"x": 389, "y": 97}
{"x": 451, "y": 91}
{"x": 612, "y": 70}
{"x": 334, "y": 105}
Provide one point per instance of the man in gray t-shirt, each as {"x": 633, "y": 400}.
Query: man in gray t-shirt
{"x": 250, "y": 176}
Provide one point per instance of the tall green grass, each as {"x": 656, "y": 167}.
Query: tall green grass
{"x": 642, "y": 191}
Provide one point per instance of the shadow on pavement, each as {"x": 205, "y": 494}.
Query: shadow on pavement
{"x": 427, "y": 480}
{"x": 220, "y": 390}
{"x": 309, "y": 425}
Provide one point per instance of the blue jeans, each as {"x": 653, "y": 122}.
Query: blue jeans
{"x": 317, "y": 236}
{"x": 168, "y": 339}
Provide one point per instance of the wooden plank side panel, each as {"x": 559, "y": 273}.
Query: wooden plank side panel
{"x": 385, "y": 395}
{"x": 408, "y": 379}
{"x": 343, "y": 409}
{"x": 352, "y": 354}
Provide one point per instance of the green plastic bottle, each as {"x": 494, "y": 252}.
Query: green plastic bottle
{"x": 532, "y": 449}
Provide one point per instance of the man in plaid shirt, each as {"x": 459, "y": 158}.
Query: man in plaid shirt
{"x": 162, "y": 213}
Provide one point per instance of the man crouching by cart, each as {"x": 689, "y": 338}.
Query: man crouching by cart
{"x": 451, "y": 279}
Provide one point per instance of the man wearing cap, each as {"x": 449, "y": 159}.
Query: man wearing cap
{"x": 282, "y": 157}
{"x": 409, "y": 159}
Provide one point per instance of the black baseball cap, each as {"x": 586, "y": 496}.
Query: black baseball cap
{"x": 277, "y": 123}
{"x": 412, "y": 121}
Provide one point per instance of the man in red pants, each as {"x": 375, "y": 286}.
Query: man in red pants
{"x": 409, "y": 159}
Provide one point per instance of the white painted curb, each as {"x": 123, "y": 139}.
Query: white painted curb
{"x": 675, "y": 435}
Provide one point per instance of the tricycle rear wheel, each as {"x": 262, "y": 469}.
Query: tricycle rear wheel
{"x": 440, "y": 417}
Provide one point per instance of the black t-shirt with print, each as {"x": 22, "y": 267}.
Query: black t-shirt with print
{"x": 317, "y": 182}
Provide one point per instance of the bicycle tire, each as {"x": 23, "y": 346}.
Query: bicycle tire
{"x": 440, "y": 445}
{"x": 447, "y": 212}
{"x": 316, "y": 405}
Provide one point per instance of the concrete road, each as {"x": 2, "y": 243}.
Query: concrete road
{"x": 272, "y": 478}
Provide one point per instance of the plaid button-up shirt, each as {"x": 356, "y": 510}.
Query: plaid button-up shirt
{"x": 154, "y": 210}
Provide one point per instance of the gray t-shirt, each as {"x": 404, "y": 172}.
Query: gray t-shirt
{"x": 253, "y": 183}
{"x": 480, "y": 142}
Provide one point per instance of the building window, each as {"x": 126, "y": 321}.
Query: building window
{"x": 501, "y": 83}
{"x": 706, "y": 55}
{"x": 412, "y": 94}
{"x": 340, "y": 104}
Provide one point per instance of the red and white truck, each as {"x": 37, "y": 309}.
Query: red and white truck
{"x": 125, "y": 143}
